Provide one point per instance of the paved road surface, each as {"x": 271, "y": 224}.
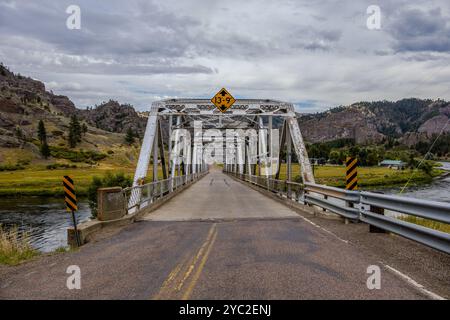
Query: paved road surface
{"x": 217, "y": 196}
{"x": 276, "y": 255}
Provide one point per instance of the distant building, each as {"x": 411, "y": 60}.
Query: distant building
{"x": 393, "y": 164}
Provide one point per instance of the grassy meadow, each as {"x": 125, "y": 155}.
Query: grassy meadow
{"x": 332, "y": 175}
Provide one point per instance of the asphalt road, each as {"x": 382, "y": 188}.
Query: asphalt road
{"x": 218, "y": 196}
{"x": 271, "y": 253}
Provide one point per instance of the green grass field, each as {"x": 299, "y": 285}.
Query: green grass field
{"x": 367, "y": 176}
{"x": 38, "y": 181}
{"x": 43, "y": 182}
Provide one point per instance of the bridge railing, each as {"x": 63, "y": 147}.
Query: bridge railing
{"x": 386, "y": 212}
{"x": 139, "y": 197}
{"x": 288, "y": 189}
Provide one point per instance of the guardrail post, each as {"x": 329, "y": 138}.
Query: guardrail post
{"x": 326, "y": 198}
{"x": 348, "y": 204}
{"x": 377, "y": 210}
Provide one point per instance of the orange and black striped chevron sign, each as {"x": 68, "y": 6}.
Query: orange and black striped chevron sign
{"x": 352, "y": 173}
{"x": 69, "y": 193}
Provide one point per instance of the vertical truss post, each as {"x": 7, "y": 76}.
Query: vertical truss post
{"x": 175, "y": 159}
{"x": 146, "y": 149}
{"x": 144, "y": 159}
{"x": 169, "y": 154}
{"x": 288, "y": 160}
{"x": 155, "y": 153}
{"x": 282, "y": 142}
{"x": 300, "y": 150}
{"x": 270, "y": 144}
{"x": 161, "y": 151}
{"x": 262, "y": 147}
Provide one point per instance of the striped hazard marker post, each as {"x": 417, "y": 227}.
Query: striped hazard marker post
{"x": 71, "y": 203}
{"x": 351, "y": 173}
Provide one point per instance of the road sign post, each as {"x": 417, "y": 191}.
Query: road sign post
{"x": 71, "y": 203}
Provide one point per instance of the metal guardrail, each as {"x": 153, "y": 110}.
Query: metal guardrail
{"x": 139, "y": 197}
{"x": 365, "y": 207}
{"x": 343, "y": 204}
{"x": 432, "y": 210}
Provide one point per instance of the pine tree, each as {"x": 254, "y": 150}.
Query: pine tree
{"x": 42, "y": 134}
{"x": 74, "y": 131}
{"x": 45, "y": 150}
{"x": 84, "y": 128}
{"x": 129, "y": 137}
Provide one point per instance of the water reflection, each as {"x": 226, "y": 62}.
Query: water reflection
{"x": 45, "y": 218}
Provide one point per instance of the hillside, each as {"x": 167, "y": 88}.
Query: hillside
{"x": 24, "y": 101}
{"x": 408, "y": 120}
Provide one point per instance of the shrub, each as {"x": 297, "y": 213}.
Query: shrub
{"x": 61, "y": 165}
{"x": 76, "y": 156}
{"x": 108, "y": 180}
{"x": 11, "y": 167}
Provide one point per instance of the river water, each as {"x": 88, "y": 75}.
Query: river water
{"x": 47, "y": 219}
{"x": 439, "y": 190}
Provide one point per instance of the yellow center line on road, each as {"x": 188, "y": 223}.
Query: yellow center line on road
{"x": 195, "y": 277}
{"x": 174, "y": 283}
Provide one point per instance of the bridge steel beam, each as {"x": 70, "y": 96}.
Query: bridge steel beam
{"x": 300, "y": 150}
{"x": 155, "y": 153}
{"x": 146, "y": 148}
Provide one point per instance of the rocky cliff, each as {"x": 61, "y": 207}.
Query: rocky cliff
{"x": 408, "y": 120}
{"x": 114, "y": 117}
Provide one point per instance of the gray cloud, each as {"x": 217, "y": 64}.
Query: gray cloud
{"x": 421, "y": 30}
{"x": 317, "y": 54}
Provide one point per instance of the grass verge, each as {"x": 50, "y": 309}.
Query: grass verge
{"x": 15, "y": 246}
{"x": 427, "y": 223}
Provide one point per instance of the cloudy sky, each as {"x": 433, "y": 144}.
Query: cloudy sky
{"x": 316, "y": 54}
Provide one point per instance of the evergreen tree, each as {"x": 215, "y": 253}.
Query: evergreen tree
{"x": 129, "y": 137}
{"x": 45, "y": 150}
{"x": 42, "y": 134}
{"x": 84, "y": 128}
{"x": 74, "y": 131}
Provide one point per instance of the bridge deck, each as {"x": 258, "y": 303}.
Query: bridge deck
{"x": 218, "y": 196}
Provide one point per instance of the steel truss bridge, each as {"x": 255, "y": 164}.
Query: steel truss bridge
{"x": 245, "y": 114}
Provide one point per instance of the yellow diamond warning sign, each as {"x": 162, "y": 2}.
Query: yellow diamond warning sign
{"x": 223, "y": 100}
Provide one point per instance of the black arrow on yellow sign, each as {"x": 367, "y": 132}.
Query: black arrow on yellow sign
{"x": 223, "y": 100}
